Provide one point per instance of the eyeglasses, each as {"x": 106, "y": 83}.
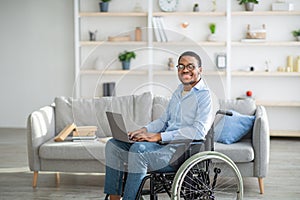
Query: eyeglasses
{"x": 189, "y": 67}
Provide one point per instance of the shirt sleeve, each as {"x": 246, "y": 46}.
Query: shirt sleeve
{"x": 160, "y": 124}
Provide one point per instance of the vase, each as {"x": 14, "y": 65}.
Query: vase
{"x": 125, "y": 65}
{"x": 212, "y": 37}
{"x": 103, "y": 6}
{"x": 249, "y": 6}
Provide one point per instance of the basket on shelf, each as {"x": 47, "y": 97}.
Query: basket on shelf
{"x": 256, "y": 34}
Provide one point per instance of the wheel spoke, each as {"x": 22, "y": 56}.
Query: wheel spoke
{"x": 211, "y": 177}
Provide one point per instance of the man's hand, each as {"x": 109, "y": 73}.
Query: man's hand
{"x": 142, "y": 135}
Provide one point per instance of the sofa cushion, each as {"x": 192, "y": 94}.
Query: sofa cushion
{"x": 238, "y": 152}
{"x": 160, "y": 104}
{"x": 136, "y": 111}
{"x": 231, "y": 129}
{"x": 244, "y": 106}
{"x": 67, "y": 150}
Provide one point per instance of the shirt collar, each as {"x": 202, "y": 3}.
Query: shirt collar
{"x": 200, "y": 85}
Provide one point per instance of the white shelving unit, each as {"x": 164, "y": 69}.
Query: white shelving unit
{"x": 149, "y": 69}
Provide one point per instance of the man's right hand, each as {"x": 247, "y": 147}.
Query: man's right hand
{"x": 142, "y": 135}
{"x": 134, "y": 134}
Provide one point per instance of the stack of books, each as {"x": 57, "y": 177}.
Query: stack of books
{"x": 84, "y": 133}
{"x": 159, "y": 29}
{"x": 79, "y": 133}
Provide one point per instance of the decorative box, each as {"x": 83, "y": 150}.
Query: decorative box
{"x": 279, "y": 6}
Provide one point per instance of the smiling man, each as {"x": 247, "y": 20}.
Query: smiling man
{"x": 187, "y": 116}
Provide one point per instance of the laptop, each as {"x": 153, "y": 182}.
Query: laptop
{"x": 117, "y": 127}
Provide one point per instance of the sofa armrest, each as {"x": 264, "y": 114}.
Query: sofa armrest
{"x": 261, "y": 142}
{"x": 40, "y": 128}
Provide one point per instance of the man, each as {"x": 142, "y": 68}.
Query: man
{"x": 188, "y": 116}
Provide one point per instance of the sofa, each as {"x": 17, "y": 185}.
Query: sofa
{"x": 251, "y": 153}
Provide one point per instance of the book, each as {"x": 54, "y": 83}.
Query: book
{"x": 84, "y": 131}
{"x": 65, "y": 132}
{"x": 162, "y": 29}
{"x": 156, "y": 29}
{"x": 124, "y": 38}
{"x": 80, "y": 138}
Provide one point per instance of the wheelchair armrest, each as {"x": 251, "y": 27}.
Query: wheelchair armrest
{"x": 183, "y": 141}
{"x": 224, "y": 112}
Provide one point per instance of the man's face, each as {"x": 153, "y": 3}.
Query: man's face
{"x": 189, "y": 76}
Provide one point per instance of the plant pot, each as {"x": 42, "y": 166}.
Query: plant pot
{"x": 103, "y": 6}
{"x": 212, "y": 37}
{"x": 298, "y": 38}
{"x": 249, "y": 6}
{"x": 125, "y": 65}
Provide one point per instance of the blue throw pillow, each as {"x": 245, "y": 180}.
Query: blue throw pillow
{"x": 231, "y": 129}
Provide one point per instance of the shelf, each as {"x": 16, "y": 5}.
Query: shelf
{"x": 213, "y": 73}
{"x": 143, "y": 72}
{"x": 113, "y": 72}
{"x": 145, "y": 14}
{"x": 278, "y": 103}
{"x": 234, "y": 43}
{"x": 204, "y": 43}
{"x": 266, "y": 43}
{"x": 172, "y": 72}
{"x": 264, "y": 13}
{"x": 165, "y": 72}
{"x": 285, "y": 133}
{"x": 209, "y": 14}
{"x": 262, "y": 73}
{"x": 113, "y": 14}
{"x": 105, "y": 42}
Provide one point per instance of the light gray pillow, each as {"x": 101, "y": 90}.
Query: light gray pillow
{"x": 159, "y": 106}
{"x": 136, "y": 111}
{"x": 244, "y": 106}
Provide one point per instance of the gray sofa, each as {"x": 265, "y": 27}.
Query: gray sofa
{"x": 251, "y": 154}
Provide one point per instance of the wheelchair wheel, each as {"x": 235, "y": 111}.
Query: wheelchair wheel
{"x": 208, "y": 175}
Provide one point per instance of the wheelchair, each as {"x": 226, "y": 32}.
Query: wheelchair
{"x": 201, "y": 173}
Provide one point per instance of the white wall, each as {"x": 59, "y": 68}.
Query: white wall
{"x": 36, "y": 56}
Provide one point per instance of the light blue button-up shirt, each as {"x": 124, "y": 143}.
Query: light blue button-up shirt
{"x": 186, "y": 117}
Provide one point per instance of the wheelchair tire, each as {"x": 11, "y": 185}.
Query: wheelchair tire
{"x": 208, "y": 175}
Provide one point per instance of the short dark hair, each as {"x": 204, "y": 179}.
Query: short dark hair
{"x": 193, "y": 54}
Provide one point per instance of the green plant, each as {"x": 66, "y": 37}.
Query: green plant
{"x": 126, "y": 56}
{"x": 248, "y": 1}
{"x": 212, "y": 28}
{"x": 105, "y": 0}
{"x": 296, "y": 33}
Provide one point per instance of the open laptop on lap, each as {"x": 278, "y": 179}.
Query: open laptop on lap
{"x": 117, "y": 127}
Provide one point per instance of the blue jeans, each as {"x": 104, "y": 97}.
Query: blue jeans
{"x": 140, "y": 158}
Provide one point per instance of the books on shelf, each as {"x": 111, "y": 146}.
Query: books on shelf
{"x": 79, "y": 133}
{"x": 159, "y": 29}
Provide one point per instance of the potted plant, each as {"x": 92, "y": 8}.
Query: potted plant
{"x": 296, "y": 34}
{"x": 212, "y": 35}
{"x": 249, "y": 4}
{"x": 104, "y": 5}
{"x": 125, "y": 58}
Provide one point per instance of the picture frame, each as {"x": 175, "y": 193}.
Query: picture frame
{"x": 221, "y": 61}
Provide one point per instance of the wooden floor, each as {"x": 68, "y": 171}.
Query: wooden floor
{"x": 282, "y": 182}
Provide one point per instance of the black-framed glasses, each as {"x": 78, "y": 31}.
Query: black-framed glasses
{"x": 189, "y": 67}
